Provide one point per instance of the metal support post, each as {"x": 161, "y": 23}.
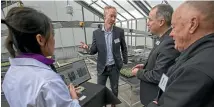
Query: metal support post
{"x": 83, "y": 17}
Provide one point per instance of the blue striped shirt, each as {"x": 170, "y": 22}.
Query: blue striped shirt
{"x": 108, "y": 40}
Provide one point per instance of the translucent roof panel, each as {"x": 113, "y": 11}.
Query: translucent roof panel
{"x": 128, "y": 6}
{"x": 99, "y": 3}
{"x": 173, "y": 3}
{"x": 152, "y": 3}
{"x": 94, "y": 6}
{"x": 88, "y": 1}
{"x": 134, "y": 12}
{"x": 130, "y": 9}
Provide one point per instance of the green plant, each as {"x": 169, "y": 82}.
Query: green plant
{"x": 3, "y": 64}
{"x": 126, "y": 72}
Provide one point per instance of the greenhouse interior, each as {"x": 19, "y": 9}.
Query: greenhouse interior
{"x": 74, "y": 21}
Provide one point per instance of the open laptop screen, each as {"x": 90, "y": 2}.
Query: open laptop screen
{"x": 75, "y": 72}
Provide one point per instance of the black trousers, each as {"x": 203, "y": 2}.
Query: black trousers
{"x": 113, "y": 73}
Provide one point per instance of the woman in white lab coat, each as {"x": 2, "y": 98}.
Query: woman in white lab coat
{"x": 30, "y": 81}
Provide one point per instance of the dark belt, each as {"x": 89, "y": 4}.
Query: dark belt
{"x": 109, "y": 66}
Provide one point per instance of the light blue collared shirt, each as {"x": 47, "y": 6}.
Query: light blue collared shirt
{"x": 108, "y": 40}
{"x": 31, "y": 83}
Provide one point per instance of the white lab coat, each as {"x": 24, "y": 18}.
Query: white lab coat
{"x": 30, "y": 83}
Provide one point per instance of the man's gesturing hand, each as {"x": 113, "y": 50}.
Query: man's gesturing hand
{"x": 83, "y": 45}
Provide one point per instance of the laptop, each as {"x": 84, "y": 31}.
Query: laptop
{"x": 75, "y": 73}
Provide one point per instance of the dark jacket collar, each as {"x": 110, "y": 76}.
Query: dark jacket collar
{"x": 165, "y": 34}
{"x": 203, "y": 43}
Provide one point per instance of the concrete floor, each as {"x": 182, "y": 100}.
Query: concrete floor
{"x": 126, "y": 95}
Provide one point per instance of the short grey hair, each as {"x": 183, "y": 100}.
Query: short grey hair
{"x": 165, "y": 11}
{"x": 107, "y": 8}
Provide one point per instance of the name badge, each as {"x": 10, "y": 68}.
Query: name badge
{"x": 163, "y": 82}
{"x": 157, "y": 42}
{"x": 82, "y": 98}
{"x": 117, "y": 40}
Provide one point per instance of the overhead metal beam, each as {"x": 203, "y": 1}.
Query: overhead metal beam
{"x": 93, "y": 2}
{"x": 134, "y": 19}
{"x": 136, "y": 31}
{"x": 117, "y": 12}
{"x": 142, "y": 7}
{"x": 135, "y": 8}
{"x": 139, "y": 35}
{"x": 147, "y": 4}
{"x": 77, "y": 21}
{"x": 88, "y": 24}
{"x": 90, "y": 8}
{"x": 75, "y": 24}
{"x": 68, "y": 24}
{"x": 124, "y": 9}
{"x": 91, "y": 24}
